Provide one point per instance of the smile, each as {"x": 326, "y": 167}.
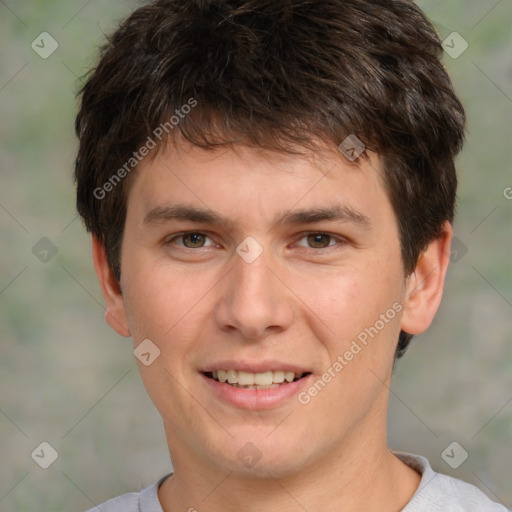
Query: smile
{"x": 260, "y": 380}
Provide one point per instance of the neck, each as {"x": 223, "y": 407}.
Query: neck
{"x": 360, "y": 475}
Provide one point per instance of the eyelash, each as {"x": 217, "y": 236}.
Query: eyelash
{"x": 339, "y": 240}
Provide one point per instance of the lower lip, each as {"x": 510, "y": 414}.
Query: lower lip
{"x": 255, "y": 399}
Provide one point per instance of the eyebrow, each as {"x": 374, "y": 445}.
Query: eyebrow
{"x": 162, "y": 214}
{"x": 342, "y": 213}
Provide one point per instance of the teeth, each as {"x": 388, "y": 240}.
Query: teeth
{"x": 271, "y": 386}
{"x": 278, "y": 376}
{"x": 246, "y": 378}
{"x": 262, "y": 380}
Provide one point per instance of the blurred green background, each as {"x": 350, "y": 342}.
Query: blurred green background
{"x": 67, "y": 379}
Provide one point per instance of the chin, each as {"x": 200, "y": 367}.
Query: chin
{"x": 260, "y": 455}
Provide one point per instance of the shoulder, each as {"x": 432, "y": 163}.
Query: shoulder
{"x": 143, "y": 501}
{"x": 441, "y": 493}
{"x": 125, "y": 503}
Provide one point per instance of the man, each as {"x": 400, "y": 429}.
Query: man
{"x": 270, "y": 187}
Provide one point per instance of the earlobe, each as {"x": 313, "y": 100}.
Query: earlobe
{"x": 115, "y": 312}
{"x": 425, "y": 284}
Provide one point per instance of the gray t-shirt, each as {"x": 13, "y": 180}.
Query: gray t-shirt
{"x": 436, "y": 493}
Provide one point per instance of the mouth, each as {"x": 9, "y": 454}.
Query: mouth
{"x": 261, "y": 380}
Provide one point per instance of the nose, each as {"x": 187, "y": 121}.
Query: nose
{"x": 254, "y": 301}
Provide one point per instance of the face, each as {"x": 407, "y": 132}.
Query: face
{"x": 259, "y": 268}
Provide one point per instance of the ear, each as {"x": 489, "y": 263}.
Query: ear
{"x": 425, "y": 284}
{"x": 115, "y": 313}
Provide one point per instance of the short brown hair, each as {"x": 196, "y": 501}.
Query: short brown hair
{"x": 275, "y": 74}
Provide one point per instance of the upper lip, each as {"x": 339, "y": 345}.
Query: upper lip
{"x": 255, "y": 367}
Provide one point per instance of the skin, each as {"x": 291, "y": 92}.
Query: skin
{"x": 302, "y": 301}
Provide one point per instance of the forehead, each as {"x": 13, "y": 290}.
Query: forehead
{"x": 242, "y": 182}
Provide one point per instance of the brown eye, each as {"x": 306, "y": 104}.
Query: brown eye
{"x": 193, "y": 240}
{"x": 319, "y": 240}
{"x": 189, "y": 243}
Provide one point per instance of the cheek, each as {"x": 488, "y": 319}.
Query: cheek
{"x": 357, "y": 303}
{"x": 154, "y": 303}
{"x": 160, "y": 308}
{"x": 170, "y": 308}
